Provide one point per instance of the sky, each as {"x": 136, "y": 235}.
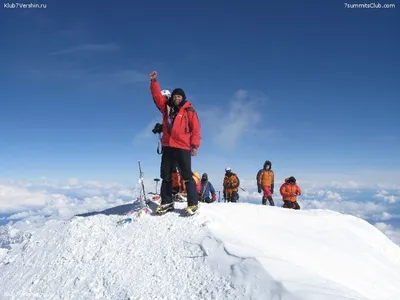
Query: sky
{"x": 313, "y": 87}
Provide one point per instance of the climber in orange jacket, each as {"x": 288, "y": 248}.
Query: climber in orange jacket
{"x": 231, "y": 186}
{"x": 289, "y": 191}
{"x": 265, "y": 183}
{"x": 197, "y": 180}
{"x": 178, "y": 184}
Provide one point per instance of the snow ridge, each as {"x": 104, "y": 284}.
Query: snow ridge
{"x": 228, "y": 251}
{"x": 92, "y": 258}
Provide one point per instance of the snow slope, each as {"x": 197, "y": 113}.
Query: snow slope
{"x": 228, "y": 251}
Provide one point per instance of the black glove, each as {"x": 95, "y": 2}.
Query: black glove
{"x": 272, "y": 189}
{"x": 259, "y": 188}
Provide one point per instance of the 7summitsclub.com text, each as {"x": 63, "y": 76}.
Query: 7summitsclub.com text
{"x": 369, "y": 5}
{"x": 14, "y": 5}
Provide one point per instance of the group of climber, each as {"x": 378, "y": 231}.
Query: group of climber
{"x": 289, "y": 190}
{"x": 181, "y": 137}
{"x": 204, "y": 188}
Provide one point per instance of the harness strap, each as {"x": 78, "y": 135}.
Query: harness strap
{"x": 205, "y": 188}
{"x": 159, "y": 145}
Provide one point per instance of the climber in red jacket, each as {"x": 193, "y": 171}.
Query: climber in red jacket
{"x": 180, "y": 140}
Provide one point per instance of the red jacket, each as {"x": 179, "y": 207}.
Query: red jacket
{"x": 185, "y": 131}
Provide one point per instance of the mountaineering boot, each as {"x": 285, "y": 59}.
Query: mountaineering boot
{"x": 264, "y": 201}
{"x": 271, "y": 201}
{"x": 164, "y": 208}
{"x": 192, "y": 209}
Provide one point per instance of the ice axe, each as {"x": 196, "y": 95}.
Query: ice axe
{"x": 156, "y": 180}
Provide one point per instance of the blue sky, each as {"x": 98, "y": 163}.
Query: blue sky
{"x": 313, "y": 87}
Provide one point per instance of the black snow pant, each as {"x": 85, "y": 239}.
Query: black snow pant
{"x": 231, "y": 197}
{"x": 290, "y": 204}
{"x": 183, "y": 158}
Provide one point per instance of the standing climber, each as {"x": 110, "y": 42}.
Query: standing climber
{"x": 231, "y": 186}
{"x": 180, "y": 141}
{"x": 265, "y": 183}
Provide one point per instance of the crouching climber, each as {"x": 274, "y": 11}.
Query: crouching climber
{"x": 207, "y": 191}
{"x": 289, "y": 191}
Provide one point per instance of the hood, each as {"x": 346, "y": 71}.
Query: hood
{"x": 267, "y": 162}
{"x": 204, "y": 177}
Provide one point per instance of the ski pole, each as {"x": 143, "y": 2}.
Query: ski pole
{"x": 143, "y": 190}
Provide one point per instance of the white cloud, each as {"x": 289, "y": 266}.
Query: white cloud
{"x": 146, "y": 132}
{"x": 108, "y": 47}
{"x": 60, "y": 206}
{"x": 27, "y": 199}
{"x": 333, "y": 196}
{"x": 322, "y": 195}
{"x": 93, "y": 76}
{"x": 241, "y": 117}
{"x": 357, "y": 180}
{"x": 361, "y": 209}
{"x": 350, "y": 184}
{"x": 326, "y": 199}
{"x": 390, "y": 231}
{"x": 35, "y": 201}
{"x": 73, "y": 181}
{"x": 128, "y": 76}
{"x": 386, "y": 216}
{"x": 13, "y": 198}
{"x": 384, "y": 195}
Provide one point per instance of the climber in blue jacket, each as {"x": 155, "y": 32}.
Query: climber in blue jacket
{"x": 207, "y": 191}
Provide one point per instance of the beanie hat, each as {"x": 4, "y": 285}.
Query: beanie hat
{"x": 178, "y": 91}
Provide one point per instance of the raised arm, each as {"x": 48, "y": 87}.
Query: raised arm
{"x": 155, "y": 90}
